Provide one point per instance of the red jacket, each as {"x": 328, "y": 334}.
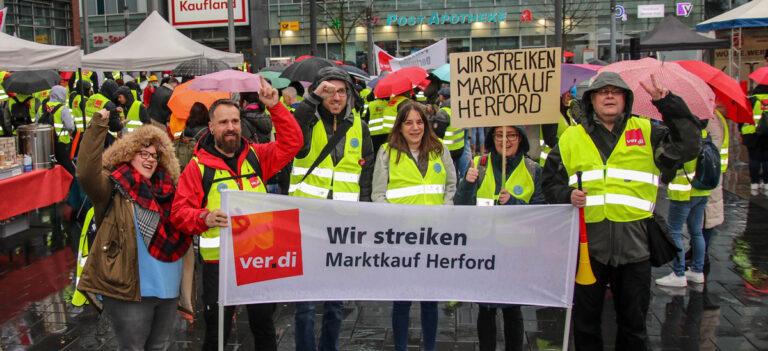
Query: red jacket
{"x": 188, "y": 213}
{"x": 148, "y": 91}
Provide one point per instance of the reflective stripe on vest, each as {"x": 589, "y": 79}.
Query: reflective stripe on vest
{"x": 78, "y": 298}
{"x": 133, "y": 120}
{"x": 376, "y": 117}
{"x": 343, "y": 178}
{"x": 58, "y": 124}
{"x": 209, "y": 240}
{"x": 623, "y": 188}
{"x": 757, "y": 108}
{"x": 454, "y": 137}
{"x": 407, "y": 186}
{"x": 519, "y": 184}
{"x": 562, "y": 124}
{"x": 680, "y": 189}
{"x": 384, "y": 126}
{"x": 726, "y": 142}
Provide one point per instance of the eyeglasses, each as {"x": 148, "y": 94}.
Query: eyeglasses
{"x": 606, "y": 91}
{"x": 341, "y": 92}
{"x": 510, "y": 137}
{"x": 146, "y": 155}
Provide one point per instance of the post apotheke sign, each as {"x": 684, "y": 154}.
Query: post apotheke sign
{"x": 205, "y": 13}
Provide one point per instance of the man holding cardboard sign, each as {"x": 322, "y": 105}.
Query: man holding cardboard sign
{"x": 620, "y": 158}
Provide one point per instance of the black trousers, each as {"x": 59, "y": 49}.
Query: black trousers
{"x": 260, "y": 316}
{"x": 513, "y": 328}
{"x": 631, "y": 287}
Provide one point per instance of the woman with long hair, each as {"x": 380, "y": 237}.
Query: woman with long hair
{"x": 414, "y": 168}
{"x": 135, "y": 266}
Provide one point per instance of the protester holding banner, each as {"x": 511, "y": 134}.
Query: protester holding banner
{"x": 481, "y": 187}
{"x": 620, "y": 159}
{"x": 225, "y": 160}
{"x": 136, "y": 267}
{"x": 414, "y": 168}
{"x": 335, "y": 162}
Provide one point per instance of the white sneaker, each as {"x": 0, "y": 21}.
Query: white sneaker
{"x": 754, "y": 189}
{"x": 672, "y": 280}
{"x": 694, "y": 277}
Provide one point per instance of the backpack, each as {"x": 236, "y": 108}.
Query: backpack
{"x": 47, "y": 113}
{"x": 185, "y": 147}
{"x": 20, "y": 112}
{"x": 707, "y": 175}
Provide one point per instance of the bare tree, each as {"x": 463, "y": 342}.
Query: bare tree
{"x": 342, "y": 17}
{"x": 575, "y": 12}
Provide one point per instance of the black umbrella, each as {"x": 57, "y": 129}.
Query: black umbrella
{"x": 356, "y": 72}
{"x": 30, "y": 82}
{"x": 273, "y": 69}
{"x": 199, "y": 66}
{"x": 306, "y": 70}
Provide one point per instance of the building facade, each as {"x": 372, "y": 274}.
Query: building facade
{"x": 43, "y": 21}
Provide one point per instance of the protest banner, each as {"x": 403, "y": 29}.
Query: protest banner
{"x": 506, "y": 87}
{"x": 281, "y": 249}
{"x": 432, "y": 56}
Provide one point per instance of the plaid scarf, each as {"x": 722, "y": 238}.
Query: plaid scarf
{"x": 154, "y": 198}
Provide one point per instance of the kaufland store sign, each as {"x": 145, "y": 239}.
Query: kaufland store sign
{"x": 206, "y": 13}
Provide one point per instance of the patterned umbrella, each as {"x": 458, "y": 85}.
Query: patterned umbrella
{"x": 199, "y": 66}
{"x": 694, "y": 91}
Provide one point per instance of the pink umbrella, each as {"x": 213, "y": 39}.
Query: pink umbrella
{"x": 573, "y": 74}
{"x": 694, "y": 91}
{"x": 229, "y": 81}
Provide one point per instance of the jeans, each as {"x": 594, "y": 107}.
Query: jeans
{"x": 142, "y": 325}
{"x": 692, "y": 213}
{"x": 260, "y": 316}
{"x": 305, "y": 326}
{"x": 631, "y": 287}
{"x": 513, "y": 327}
{"x": 478, "y": 137}
{"x": 758, "y": 165}
{"x": 401, "y": 311}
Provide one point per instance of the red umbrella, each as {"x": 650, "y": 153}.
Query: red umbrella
{"x": 694, "y": 91}
{"x": 760, "y": 76}
{"x": 302, "y": 58}
{"x": 399, "y": 82}
{"x": 727, "y": 90}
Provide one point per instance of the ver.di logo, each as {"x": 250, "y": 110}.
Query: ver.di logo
{"x": 267, "y": 246}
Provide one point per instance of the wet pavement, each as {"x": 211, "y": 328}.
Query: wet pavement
{"x": 729, "y": 312}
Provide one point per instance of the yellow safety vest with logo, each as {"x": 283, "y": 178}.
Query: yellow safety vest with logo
{"x": 562, "y": 125}
{"x": 376, "y": 117}
{"x": 132, "y": 117}
{"x": 58, "y": 124}
{"x": 95, "y": 103}
{"x": 622, "y": 189}
{"x": 77, "y": 114}
{"x": 343, "y": 178}
{"x": 32, "y": 104}
{"x": 389, "y": 116}
{"x": 726, "y": 139}
{"x": 3, "y": 95}
{"x": 680, "y": 188}
{"x": 519, "y": 184}
{"x": 78, "y": 298}
{"x": 87, "y": 76}
{"x": 454, "y": 137}
{"x": 363, "y": 95}
{"x": 407, "y": 185}
{"x": 757, "y": 112}
{"x": 222, "y": 180}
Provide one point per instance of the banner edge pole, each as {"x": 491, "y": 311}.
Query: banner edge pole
{"x": 567, "y": 330}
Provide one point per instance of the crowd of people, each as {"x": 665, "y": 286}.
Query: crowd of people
{"x": 152, "y": 192}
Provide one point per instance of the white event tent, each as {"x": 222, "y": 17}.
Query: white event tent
{"x": 23, "y": 55}
{"x": 154, "y": 46}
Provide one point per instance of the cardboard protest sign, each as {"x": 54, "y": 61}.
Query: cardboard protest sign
{"x": 506, "y": 87}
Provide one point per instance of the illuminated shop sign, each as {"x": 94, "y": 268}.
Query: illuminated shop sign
{"x": 438, "y": 18}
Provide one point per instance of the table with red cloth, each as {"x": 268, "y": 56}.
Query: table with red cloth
{"x": 33, "y": 190}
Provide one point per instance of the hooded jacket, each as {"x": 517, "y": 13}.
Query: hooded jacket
{"x": 126, "y": 92}
{"x": 158, "y": 105}
{"x": 188, "y": 213}
{"x": 59, "y": 94}
{"x": 311, "y": 108}
{"x": 112, "y": 267}
{"x": 674, "y": 142}
{"x": 466, "y": 192}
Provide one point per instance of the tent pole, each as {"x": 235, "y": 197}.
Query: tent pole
{"x": 79, "y": 88}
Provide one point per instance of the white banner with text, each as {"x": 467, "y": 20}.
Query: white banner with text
{"x": 281, "y": 248}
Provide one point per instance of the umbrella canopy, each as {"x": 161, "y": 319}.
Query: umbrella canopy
{"x": 229, "y": 81}
{"x": 727, "y": 90}
{"x": 399, "y": 82}
{"x": 275, "y": 79}
{"x": 751, "y": 14}
{"x": 356, "y": 72}
{"x": 443, "y": 72}
{"x": 694, "y": 91}
{"x": 182, "y": 100}
{"x": 573, "y": 74}
{"x": 760, "y": 76}
{"x": 199, "y": 66}
{"x": 273, "y": 69}
{"x": 30, "y": 82}
{"x": 305, "y": 70}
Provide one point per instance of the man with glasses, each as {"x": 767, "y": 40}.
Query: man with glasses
{"x": 621, "y": 159}
{"x": 336, "y": 162}
{"x": 222, "y": 160}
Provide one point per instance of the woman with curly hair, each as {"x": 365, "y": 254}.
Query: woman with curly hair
{"x": 134, "y": 269}
{"x": 413, "y": 168}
